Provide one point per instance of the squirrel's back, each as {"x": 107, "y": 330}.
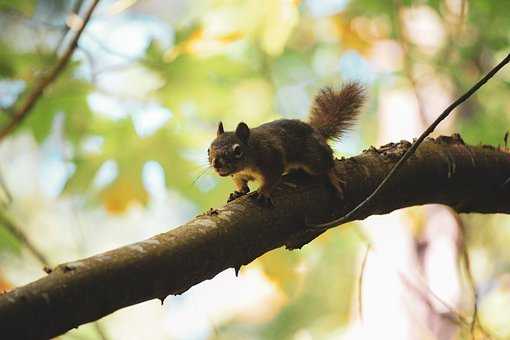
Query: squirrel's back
{"x": 335, "y": 111}
{"x": 287, "y": 135}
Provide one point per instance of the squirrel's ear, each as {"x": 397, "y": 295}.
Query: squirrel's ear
{"x": 220, "y": 129}
{"x": 243, "y": 131}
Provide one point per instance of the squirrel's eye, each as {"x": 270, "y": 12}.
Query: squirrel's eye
{"x": 208, "y": 151}
{"x": 237, "y": 150}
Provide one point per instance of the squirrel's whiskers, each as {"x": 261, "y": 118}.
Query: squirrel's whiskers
{"x": 203, "y": 170}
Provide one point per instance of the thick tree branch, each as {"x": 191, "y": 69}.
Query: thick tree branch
{"x": 33, "y": 96}
{"x": 445, "y": 170}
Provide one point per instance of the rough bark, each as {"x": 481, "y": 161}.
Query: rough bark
{"x": 444, "y": 170}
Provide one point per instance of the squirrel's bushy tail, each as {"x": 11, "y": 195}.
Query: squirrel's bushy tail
{"x": 334, "y": 111}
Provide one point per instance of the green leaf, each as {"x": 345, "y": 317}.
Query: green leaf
{"x": 24, "y": 6}
{"x": 8, "y": 242}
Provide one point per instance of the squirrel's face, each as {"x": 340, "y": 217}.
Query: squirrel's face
{"x": 227, "y": 153}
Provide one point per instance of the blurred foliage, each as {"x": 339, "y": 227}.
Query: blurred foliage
{"x": 237, "y": 60}
{"x": 24, "y": 7}
{"x": 7, "y": 241}
{"x": 206, "y": 77}
{"x": 331, "y": 262}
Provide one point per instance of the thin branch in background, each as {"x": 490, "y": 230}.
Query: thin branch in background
{"x": 95, "y": 72}
{"x": 107, "y": 49}
{"x": 450, "y": 315}
{"x": 360, "y": 282}
{"x": 113, "y": 68}
{"x": 462, "y": 18}
{"x": 472, "y": 284}
{"x": 475, "y": 320}
{"x": 366, "y": 240}
{"x": 47, "y": 79}
{"x": 18, "y": 233}
{"x": 408, "y": 63}
{"x": 5, "y": 190}
{"x": 462, "y": 248}
{"x": 75, "y": 10}
{"x": 127, "y": 58}
{"x": 451, "y": 310}
{"x": 423, "y": 294}
{"x": 414, "y": 146}
{"x": 453, "y": 37}
{"x": 100, "y": 331}
{"x": 91, "y": 62}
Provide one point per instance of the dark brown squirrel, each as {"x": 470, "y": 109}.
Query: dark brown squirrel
{"x": 268, "y": 151}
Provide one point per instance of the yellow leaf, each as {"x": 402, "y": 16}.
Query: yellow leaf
{"x": 123, "y": 193}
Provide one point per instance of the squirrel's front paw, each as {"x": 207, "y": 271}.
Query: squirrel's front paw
{"x": 263, "y": 200}
{"x": 234, "y": 195}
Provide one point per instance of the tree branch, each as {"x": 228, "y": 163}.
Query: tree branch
{"x": 444, "y": 170}
{"x": 31, "y": 99}
{"x": 415, "y": 145}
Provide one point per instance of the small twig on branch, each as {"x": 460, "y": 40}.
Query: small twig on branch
{"x": 47, "y": 79}
{"x": 414, "y": 146}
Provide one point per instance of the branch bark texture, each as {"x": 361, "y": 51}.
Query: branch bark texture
{"x": 443, "y": 170}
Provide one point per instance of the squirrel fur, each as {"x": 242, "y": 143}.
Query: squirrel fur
{"x": 266, "y": 152}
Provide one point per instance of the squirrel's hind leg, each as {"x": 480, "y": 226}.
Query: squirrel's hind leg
{"x": 333, "y": 178}
{"x": 319, "y": 161}
{"x": 336, "y": 182}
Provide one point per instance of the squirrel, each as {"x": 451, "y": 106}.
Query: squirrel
{"x": 266, "y": 152}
